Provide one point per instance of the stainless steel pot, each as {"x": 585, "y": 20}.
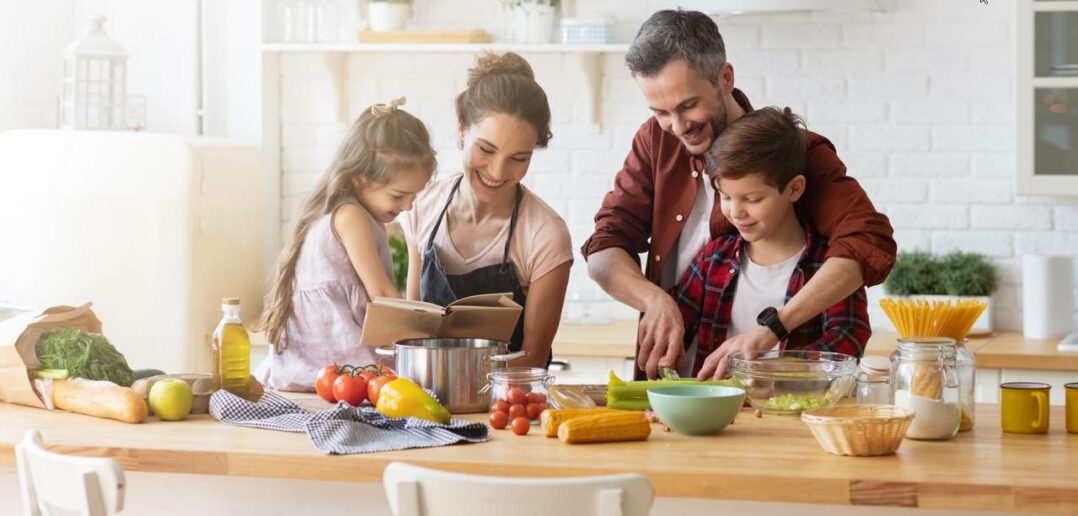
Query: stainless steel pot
{"x": 455, "y": 369}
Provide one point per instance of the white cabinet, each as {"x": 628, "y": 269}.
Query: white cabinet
{"x": 1046, "y": 97}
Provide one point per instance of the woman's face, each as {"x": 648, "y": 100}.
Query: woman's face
{"x": 497, "y": 152}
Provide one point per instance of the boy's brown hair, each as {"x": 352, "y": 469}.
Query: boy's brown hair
{"x": 766, "y": 141}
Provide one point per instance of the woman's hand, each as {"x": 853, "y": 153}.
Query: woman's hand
{"x": 542, "y": 314}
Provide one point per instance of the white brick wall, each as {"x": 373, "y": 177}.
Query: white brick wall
{"x": 918, "y": 99}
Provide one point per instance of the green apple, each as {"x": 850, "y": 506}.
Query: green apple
{"x": 171, "y": 399}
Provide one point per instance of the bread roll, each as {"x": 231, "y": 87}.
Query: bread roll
{"x": 99, "y": 398}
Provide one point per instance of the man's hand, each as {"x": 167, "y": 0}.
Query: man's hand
{"x": 752, "y": 342}
{"x": 661, "y": 334}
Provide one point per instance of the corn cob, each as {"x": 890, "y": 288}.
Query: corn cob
{"x": 603, "y": 428}
{"x": 551, "y": 419}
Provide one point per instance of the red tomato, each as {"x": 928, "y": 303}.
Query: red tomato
{"x": 532, "y": 410}
{"x": 535, "y": 397}
{"x": 521, "y": 426}
{"x": 386, "y": 370}
{"x": 323, "y": 383}
{"x": 500, "y": 406}
{"x": 375, "y": 386}
{"x": 349, "y": 389}
{"x": 517, "y": 410}
{"x": 367, "y": 376}
{"x": 499, "y": 419}
{"x": 515, "y": 396}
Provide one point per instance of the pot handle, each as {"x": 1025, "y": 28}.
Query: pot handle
{"x": 385, "y": 351}
{"x": 509, "y": 356}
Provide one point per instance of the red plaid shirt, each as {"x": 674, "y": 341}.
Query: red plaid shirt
{"x": 705, "y": 296}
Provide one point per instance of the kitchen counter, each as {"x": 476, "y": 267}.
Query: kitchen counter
{"x": 771, "y": 458}
{"x": 1008, "y": 350}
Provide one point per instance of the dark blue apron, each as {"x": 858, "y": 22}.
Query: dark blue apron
{"x": 435, "y": 286}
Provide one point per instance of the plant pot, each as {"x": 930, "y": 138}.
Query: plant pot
{"x": 384, "y": 16}
{"x": 533, "y": 23}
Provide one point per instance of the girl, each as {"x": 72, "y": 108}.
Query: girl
{"x": 338, "y": 257}
{"x": 481, "y": 231}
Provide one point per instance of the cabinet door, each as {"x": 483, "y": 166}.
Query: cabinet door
{"x": 1055, "y": 131}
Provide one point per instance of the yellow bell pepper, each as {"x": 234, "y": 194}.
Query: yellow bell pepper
{"x": 405, "y": 398}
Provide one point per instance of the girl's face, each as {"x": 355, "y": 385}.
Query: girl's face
{"x": 385, "y": 201}
{"x": 497, "y": 152}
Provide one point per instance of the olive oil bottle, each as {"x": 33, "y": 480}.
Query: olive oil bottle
{"x": 232, "y": 351}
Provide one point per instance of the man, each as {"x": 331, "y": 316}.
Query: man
{"x": 663, "y": 204}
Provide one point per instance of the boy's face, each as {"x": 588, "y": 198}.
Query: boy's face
{"x": 756, "y": 208}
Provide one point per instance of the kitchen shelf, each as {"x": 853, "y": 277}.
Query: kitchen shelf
{"x": 588, "y": 59}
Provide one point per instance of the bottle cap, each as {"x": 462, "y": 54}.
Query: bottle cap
{"x": 230, "y": 301}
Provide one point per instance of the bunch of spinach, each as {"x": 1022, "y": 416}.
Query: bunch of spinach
{"x": 84, "y": 355}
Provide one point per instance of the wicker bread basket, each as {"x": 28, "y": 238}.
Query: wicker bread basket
{"x": 861, "y": 430}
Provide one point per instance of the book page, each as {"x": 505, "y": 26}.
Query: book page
{"x": 419, "y": 306}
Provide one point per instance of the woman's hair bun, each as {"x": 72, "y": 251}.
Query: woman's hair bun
{"x": 490, "y": 64}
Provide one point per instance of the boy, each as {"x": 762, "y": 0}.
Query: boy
{"x": 741, "y": 279}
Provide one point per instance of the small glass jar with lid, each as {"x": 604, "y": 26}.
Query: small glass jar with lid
{"x": 924, "y": 379}
{"x": 873, "y": 381}
{"x": 519, "y": 391}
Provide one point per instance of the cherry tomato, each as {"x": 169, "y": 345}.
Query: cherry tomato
{"x": 500, "y": 406}
{"x": 517, "y": 410}
{"x": 499, "y": 419}
{"x": 375, "y": 386}
{"x": 532, "y": 410}
{"x": 515, "y": 396}
{"x": 535, "y": 397}
{"x": 323, "y": 383}
{"x": 521, "y": 426}
{"x": 349, "y": 389}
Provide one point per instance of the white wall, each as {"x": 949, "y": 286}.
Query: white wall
{"x": 918, "y": 100}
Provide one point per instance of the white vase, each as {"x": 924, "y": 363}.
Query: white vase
{"x": 534, "y": 23}
{"x": 385, "y": 16}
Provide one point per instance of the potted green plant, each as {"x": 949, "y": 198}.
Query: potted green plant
{"x": 956, "y": 275}
{"x": 384, "y": 15}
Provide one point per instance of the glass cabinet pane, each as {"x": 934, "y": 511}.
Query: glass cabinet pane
{"x": 1056, "y": 44}
{"x": 1055, "y": 126}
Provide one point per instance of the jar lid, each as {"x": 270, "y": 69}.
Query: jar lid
{"x": 875, "y": 366}
{"x": 230, "y": 301}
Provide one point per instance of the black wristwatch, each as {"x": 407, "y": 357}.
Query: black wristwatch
{"x": 770, "y": 318}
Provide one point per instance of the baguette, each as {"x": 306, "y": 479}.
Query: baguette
{"x": 99, "y": 398}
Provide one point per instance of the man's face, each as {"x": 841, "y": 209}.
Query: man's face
{"x": 687, "y": 105}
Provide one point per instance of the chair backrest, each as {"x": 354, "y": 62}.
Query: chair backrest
{"x": 416, "y": 491}
{"x": 51, "y": 482}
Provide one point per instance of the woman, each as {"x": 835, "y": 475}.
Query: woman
{"x": 481, "y": 231}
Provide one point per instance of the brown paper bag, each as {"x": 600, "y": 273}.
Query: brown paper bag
{"x": 18, "y": 338}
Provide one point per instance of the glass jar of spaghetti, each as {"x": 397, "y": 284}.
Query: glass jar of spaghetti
{"x": 967, "y": 383}
{"x": 924, "y": 379}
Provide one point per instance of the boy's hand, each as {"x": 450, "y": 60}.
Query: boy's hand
{"x": 661, "y": 334}
{"x": 757, "y": 340}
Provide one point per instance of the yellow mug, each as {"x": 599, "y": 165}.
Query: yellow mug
{"x": 1024, "y": 407}
{"x": 1072, "y": 407}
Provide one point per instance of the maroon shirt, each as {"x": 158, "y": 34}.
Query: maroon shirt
{"x": 655, "y": 188}
{"x": 705, "y": 296}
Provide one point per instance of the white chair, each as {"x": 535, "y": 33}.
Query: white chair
{"x": 416, "y": 491}
{"x": 51, "y": 483}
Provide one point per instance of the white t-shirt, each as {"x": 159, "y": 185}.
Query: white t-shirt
{"x": 540, "y": 242}
{"x": 694, "y": 235}
{"x": 758, "y": 287}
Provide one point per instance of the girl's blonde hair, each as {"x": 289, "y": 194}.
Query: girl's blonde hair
{"x": 382, "y": 142}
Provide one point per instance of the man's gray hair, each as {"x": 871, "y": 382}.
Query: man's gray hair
{"x": 669, "y": 35}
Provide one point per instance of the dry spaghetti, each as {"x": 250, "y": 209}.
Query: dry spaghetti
{"x": 923, "y": 318}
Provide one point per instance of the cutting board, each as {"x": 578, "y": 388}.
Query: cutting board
{"x": 425, "y": 36}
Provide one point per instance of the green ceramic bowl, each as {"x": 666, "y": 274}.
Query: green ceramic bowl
{"x": 696, "y": 409}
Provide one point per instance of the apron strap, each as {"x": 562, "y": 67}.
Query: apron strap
{"x": 438, "y": 223}
{"x": 513, "y": 223}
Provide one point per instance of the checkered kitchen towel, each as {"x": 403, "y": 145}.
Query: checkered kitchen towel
{"x": 343, "y": 429}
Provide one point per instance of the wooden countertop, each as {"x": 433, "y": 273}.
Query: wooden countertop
{"x": 1003, "y": 350}
{"x": 767, "y": 459}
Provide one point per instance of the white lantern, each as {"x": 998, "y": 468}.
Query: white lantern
{"x": 94, "y": 87}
